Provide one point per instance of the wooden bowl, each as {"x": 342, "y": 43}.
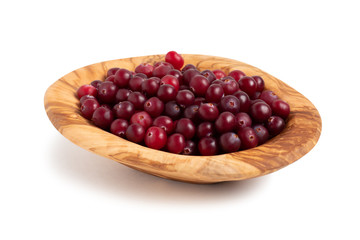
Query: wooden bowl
{"x": 298, "y": 138}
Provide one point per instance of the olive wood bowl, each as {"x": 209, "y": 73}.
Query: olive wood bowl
{"x": 300, "y": 135}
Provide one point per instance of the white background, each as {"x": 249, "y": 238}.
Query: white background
{"x": 53, "y": 189}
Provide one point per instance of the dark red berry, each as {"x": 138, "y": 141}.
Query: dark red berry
{"x": 124, "y": 110}
{"x": 268, "y": 96}
{"x": 161, "y": 70}
{"x": 248, "y": 138}
{"x": 275, "y": 125}
{"x": 262, "y": 133}
{"x": 209, "y": 75}
{"x": 199, "y": 100}
{"x": 248, "y": 85}
{"x": 169, "y": 79}
{"x": 165, "y": 123}
{"x": 219, "y": 73}
{"x": 88, "y": 107}
{"x": 173, "y": 110}
{"x": 190, "y": 148}
{"x": 208, "y": 146}
{"x": 242, "y": 120}
{"x": 135, "y": 83}
{"x": 260, "y": 112}
{"x": 236, "y": 74}
{"x": 260, "y": 83}
{"x": 154, "y": 106}
{"x": 103, "y": 117}
{"x": 185, "y": 98}
{"x": 112, "y": 71}
{"x": 230, "y": 103}
{"x": 175, "y": 59}
{"x": 229, "y": 85}
{"x": 107, "y": 92}
{"x": 208, "y": 112}
{"x": 86, "y": 90}
{"x": 214, "y": 93}
{"x": 186, "y": 127}
{"x": 230, "y": 142}
{"x": 225, "y": 122}
{"x": 110, "y": 78}
{"x": 122, "y": 94}
{"x": 96, "y": 83}
{"x": 176, "y": 143}
{"x": 155, "y": 138}
{"x": 86, "y": 97}
{"x": 189, "y": 74}
{"x": 145, "y": 68}
{"x": 138, "y": 99}
{"x": 187, "y": 67}
{"x": 279, "y": 108}
{"x": 135, "y": 133}
{"x": 205, "y": 129}
{"x": 150, "y": 86}
{"x": 118, "y": 127}
{"x": 199, "y": 85}
{"x": 166, "y": 93}
{"x": 176, "y": 73}
{"x": 191, "y": 112}
{"x": 122, "y": 77}
{"x": 142, "y": 118}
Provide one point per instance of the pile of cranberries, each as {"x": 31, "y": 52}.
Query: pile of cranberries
{"x": 182, "y": 110}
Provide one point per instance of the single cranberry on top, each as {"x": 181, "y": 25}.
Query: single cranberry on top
{"x": 175, "y": 59}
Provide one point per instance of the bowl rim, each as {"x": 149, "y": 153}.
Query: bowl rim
{"x": 300, "y": 135}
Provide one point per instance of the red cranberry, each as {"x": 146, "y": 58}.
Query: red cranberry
{"x": 122, "y": 77}
{"x": 138, "y": 99}
{"x": 157, "y": 64}
{"x": 172, "y": 109}
{"x": 187, "y": 67}
{"x": 88, "y": 107}
{"x": 279, "y": 108}
{"x": 175, "y": 59}
{"x": 208, "y": 146}
{"x": 208, "y": 112}
{"x": 275, "y": 125}
{"x": 205, "y": 129}
{"x": 86, "y": 90}
{"x": 118, "y": 127}
{"x": 255, "y": 96}
{"x": 169, "y": 79}
{"x": 110, "y": 78}
{"x": 103, "y": 117}
{"x": 185, "y": 98}
{"x": 166, "y": 92}
{"x": 230, "y": 103}
{"x": 260, "y": 83}
{"x": 248, "y": 85}
{"x": 124, "y": 110}
{"x": 209, "y": 75}
{"x": 199, "y": 85}
{"x": 242, "y": 120}
{"x": 142, "y": 118}
{"x": 226, "y": 122}
{"x": 230, "y": 142}
{"x": 155, "y": 138}
{"x": 176, "y": 143}
{"x": 260, "y": 112}
{"x": 190, "y": 148}
{"x": 176, "y": 73}
{"x": 86, "y": 97}
{"x": 219, "y": 73}
{"x": 262, "y": 133}
{"x": 161, "y": 70}
{"x": 107, "y": 92}
{"x": 154, "y": 106}
{"x": 189, "y": 74}
{"x": 111, "y": 71}
{"x": 268, "y": 96}
{"x": 191, "y": 112}
{"x": 248, "y": 138}
{"x": 122, "y": 94}
{"x": 199, "y": 100}
{"x": 145, "y": 68}
{"x": 135, "y": 133}
{"x": 229, "y": 85}
{"x": 165, "y": 123}
{"x": 135, "y": 83}
{"x": 236, "y": 74}
{"x": 186, "y": 127}
{"x": 150, "y": 86}
{"x": 214, "y": 93}
{"x": 96, "y": 83}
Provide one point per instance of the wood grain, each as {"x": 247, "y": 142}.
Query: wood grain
{"x": 298, "y": 138}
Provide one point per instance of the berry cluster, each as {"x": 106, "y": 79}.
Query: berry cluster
{"x": 182, "y": 110}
